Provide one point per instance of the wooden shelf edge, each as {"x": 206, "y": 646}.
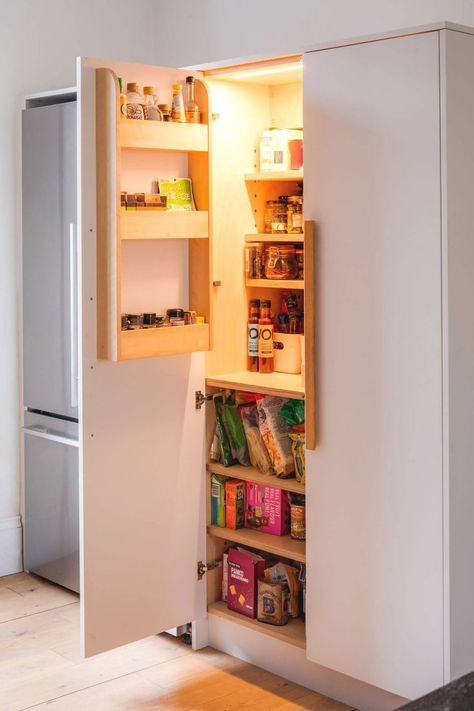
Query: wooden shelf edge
{"x": 163, "y": 136}
{"x": 271, "y": 176}
{"x": 166, "y": 224}
{"x": 283, "y": 546}
{"x": 275, "y": 283}
{"x": 280, "y": 237}
{"x": 293, "y": 633}
{"x": 170, "y": 340}
{"x": 238, "y": 471}
{"x": 279, "y": 384}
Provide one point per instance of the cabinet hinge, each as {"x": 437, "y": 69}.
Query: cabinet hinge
{"x": 200, "y": 399}
{"x": 203, "y": 568}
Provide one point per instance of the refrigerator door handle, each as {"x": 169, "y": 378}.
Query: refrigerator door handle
{"x": 42, "y": 433}
{"x": 73, "y": 306}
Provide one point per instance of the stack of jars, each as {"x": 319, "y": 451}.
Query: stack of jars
{"x": 284, "y": 215}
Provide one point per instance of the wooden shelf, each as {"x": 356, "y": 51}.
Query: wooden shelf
{"x": 237, "y": 471}
{"x": 292, "y": 633}
{"x": 275, "y": 283}
{"x": 168, "y": 340}
{"x": 166, "y": 224}
{"x": 279, "y": 237}
{"x": 272, "y": 176}
{"x": 281, "y": 384}
{"x": 283, "y": 546}
{"x": 163, "y": 135}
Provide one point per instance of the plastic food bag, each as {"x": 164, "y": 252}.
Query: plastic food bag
{"x": 226, "y": 458}
{"x": 236, "y": 431}
{"x": 275, "y": 431}
{"x": 258, "y": 452}
{"x": 293, "y": 412}
{"x": 282, "y": 573}
{"x": 297, "y": 447}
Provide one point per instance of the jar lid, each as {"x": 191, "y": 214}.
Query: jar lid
{"x": 148, "y": 90}
{"x": 266, "y": 302}
{"x": 164, "y": 107}
{"x": 295, "y": 199}
{"x": 175, "y": 313}
{"x": 132, "y": 87}
{"x": 189, "y": 80}
{"x": 177, "y": 87}
{"x": 272, "y": 203}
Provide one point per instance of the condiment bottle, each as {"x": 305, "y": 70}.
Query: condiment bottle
{"x": 177, "y": 107}
{"x": 166, "y": 111}
{"x": 134, "y": 102}
{"x": 265, "y": 338}
{"x": 191, "y": 109}
{"x": 123, "y": 100}
{"x": 150, "y": 108}
{"x": 252, "y": 335}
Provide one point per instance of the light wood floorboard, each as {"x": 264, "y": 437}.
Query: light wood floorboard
{"x": 41, "y": 667}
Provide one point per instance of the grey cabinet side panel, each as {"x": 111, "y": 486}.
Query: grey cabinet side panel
{"x": 457, "y": 63}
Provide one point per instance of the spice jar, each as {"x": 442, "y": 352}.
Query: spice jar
{"x": 298, "y": 520}
{"x": 280, "y": 262}
{"x": 300, "y": 262}
{"x": 165, "y": 111}
{"x": 294, "y": 214}
{"x": 275, "y": 217}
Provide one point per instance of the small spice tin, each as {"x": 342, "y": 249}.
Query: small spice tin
{"x": 149, "y": 320}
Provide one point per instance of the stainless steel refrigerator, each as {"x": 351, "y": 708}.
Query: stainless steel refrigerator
{"x": 50, "y": 342}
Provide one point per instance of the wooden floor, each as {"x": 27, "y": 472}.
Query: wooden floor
{"x": 40, "y": 666}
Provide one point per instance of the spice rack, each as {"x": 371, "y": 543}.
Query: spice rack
{"x": 115, "y": 226}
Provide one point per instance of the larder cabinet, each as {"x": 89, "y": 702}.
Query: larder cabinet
{"x": 389, "y": 349}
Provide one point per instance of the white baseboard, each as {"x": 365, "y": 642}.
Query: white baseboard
{"x": 290, "y": 662}
{"x": 11, "y": 557}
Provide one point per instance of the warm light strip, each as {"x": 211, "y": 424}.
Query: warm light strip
{"x": 267, "y": 70}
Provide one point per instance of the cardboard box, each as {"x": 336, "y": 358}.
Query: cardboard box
{"x": 243, "y": 571}
{"x": 218, "y": 500}
{"x": 234, "y": 503}
{"x": 267, "y": 508}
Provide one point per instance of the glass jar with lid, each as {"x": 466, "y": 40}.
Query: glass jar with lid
{"x": 294, "y": 214}
{"x": 275, "y": 217}
{"x": 280, "y": 262}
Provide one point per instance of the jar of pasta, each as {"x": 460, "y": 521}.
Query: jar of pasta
{"x": 280, "y": 262}
{"x": 275, "y": 217}
{"x": 294, "y": 214}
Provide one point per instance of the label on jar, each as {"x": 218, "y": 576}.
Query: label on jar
{"x": 265, "y": 340}
{"x": 297, "y": 219}
{"x": 252, "y": 339}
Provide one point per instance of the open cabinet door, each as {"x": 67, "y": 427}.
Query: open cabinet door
{"x": 142, "y": 444}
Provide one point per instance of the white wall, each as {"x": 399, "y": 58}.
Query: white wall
{"x": 39, "y": 40}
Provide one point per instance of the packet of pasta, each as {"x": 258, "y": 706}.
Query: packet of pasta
{"x": 275, "y": 431}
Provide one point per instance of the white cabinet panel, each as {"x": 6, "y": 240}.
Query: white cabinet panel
{"x": 372, "y": 183}
{"x": 142, "y": 457}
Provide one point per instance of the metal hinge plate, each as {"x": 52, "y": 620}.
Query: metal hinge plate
{"x": 200, "y": 399}
{"x": 203, "y": 568}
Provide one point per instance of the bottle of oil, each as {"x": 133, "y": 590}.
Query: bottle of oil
{"x": 252, "y": 335}
{"x": 191, "y": 109}
{"x": 265, "y": 338}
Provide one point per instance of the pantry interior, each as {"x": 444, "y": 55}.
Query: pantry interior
{"x": 150, "y": 261}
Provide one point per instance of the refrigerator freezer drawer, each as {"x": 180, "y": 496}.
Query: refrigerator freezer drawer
{"x": 52, "y": 505}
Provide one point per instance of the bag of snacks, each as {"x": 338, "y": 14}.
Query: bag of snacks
{"x": 297, "y": 447}
{"x": 273, "y": 601}
{"x": 274, "y": 431}
{"x": 259, "y": 457}
{"x": 283, "y": 573}
{"x": 236, "y": 431}
{"x": 293, "y": 412}
{"x": 226, "y": 458}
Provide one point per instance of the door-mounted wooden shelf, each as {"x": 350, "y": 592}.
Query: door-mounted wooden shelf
{"x": 168, "y": 340}
{"x": 166, "y": 224}
{"x": 237, "y": 471}
{"x": 272, "y": 176}
{"x": 283, "y": 546}
{"x": 292, "y": 633}
{"x": 163, "y": 135}
{"x": 285, "y": 237}
{"x": 275, "y": 283}
{"x": 280, "y": 384}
